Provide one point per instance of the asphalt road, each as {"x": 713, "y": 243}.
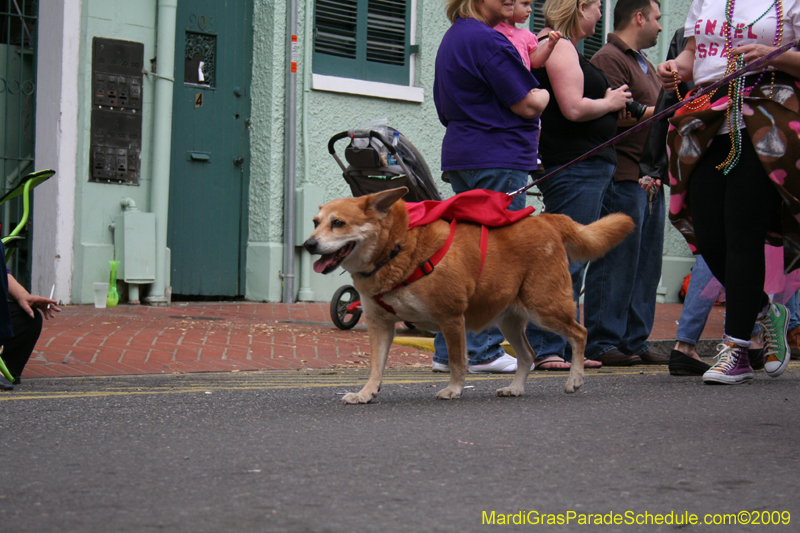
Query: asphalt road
{"x": 275, "y": 451}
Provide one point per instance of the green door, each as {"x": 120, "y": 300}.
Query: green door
{"x": 209, "y": 178}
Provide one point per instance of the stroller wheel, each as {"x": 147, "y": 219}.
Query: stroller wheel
{"x": 345, "y": 307}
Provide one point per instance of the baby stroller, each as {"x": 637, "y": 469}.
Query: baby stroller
{"x": 379, "y": 158}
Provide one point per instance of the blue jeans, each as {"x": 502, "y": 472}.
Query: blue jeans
{"x": 791, "y": 305}
{"x": 620, "y": 301}
{"x": 578, "y": 193}
{"x": 700, "y": 297}
{"x": 483, "y": 347}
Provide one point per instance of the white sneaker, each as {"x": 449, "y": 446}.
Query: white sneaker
{"x": 440, "y": 367}
{"x": 505, "y": 364}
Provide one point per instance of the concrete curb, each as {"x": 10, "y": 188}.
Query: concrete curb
{"x": 705, "y": 348}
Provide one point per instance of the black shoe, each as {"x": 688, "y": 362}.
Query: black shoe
{"x": 756, "y": 358}
{"x": 681, "y": 364}
{"x": 5, "y": 384}
{"x": 652, "y": 357}
{"x": 614, "y": 357}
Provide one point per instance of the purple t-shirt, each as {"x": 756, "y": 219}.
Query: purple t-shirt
{"x": 479, "y": 75}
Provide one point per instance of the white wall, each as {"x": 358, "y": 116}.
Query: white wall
{"x": 59, "y": 35}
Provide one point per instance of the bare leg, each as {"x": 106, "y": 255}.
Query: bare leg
{"x": 687, "y": 349}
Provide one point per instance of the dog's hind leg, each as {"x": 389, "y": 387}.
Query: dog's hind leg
{"x": 578, "y": 342}
{"x": 455, "y": 335}
{"x": 564, "y": 324}
{"x": 512, "y": 325}
{"x": 381, "y": 334}
{"x": 555, "y": 312}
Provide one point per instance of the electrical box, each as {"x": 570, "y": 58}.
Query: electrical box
{"x": 116, "y": 138}
{"x": 135, "y": 246}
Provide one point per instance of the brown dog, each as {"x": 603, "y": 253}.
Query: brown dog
{"x": 525, "y": 278}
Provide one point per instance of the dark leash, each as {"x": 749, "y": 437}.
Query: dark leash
{"x": 755, "y": 65}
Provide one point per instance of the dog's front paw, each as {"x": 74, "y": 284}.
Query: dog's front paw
{"x": 510, "y": 391}
{"x": 449, "y": 393}
{"x": 357, "y": 397}
{"x": 573, "y": 385}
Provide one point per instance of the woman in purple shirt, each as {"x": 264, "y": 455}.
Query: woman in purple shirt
{"x": 488, "y": 101}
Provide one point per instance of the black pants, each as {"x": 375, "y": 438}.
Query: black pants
{"x": 731, "y": 216}
{"x": 18, "y": 349}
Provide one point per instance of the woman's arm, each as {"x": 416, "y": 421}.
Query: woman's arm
{"x": 542, "y": 53}
{"x": 532, "y": 105}
{"x": 683, "y": 65}
{"x": 566, "y": 77}
{"x": 28, "y": 302}
{"x": 788, "y": 62}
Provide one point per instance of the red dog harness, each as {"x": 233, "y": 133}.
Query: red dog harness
{"x": 427, "y": 267}
{"x": 487, "y": 208}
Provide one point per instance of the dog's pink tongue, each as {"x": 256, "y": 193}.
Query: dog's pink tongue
{"x": 321, "y": 263}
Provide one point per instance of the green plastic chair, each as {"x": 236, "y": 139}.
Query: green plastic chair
{"x": 23, "y": 189}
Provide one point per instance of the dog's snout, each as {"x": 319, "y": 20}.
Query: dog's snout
{"x": 311, "y": 245}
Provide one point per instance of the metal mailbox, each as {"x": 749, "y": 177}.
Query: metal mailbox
{"x": 116, "y": 145}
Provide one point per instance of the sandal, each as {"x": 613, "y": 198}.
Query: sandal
{"x": 553, "y": 362}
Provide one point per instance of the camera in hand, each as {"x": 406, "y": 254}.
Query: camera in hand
{"x": 636, "y": 109}
{"x": 633, "y": 107}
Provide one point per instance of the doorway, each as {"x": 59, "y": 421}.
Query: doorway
{"x": 209, "y": 179}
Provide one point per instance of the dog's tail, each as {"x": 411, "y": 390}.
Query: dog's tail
{"x": 587, "y": 243}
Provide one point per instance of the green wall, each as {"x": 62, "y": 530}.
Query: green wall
{"x": 320, "y": 115}
{"x": 97, "y": 204}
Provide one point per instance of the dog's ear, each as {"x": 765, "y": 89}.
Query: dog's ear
{"x": 382, "y": 201}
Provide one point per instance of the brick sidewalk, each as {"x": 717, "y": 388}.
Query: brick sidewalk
{"x": 223, "y": 337}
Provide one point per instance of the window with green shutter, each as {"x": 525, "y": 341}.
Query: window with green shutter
{"x": 587, "y": 46}
{"x": 362, "y": 39}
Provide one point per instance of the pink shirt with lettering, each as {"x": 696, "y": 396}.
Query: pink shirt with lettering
{"x": 523, "y": 40}
{"x": 706, "y": 22}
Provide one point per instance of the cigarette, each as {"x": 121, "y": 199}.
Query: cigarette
{"x": 52, "y": 290}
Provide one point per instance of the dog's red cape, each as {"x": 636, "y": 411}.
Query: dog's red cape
{"x": 481, "y": 206}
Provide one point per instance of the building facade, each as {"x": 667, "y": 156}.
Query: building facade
{"x": 167, "y": 121}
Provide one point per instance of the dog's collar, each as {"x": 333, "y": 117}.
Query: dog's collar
{"x": 382, "y": 262}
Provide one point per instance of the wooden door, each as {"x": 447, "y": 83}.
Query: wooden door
{"x": 209, "y": 178}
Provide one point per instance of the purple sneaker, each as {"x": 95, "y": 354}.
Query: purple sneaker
{"x": 732, "y": 366}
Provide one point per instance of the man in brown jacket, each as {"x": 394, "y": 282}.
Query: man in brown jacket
{"x": 621, "y": 287}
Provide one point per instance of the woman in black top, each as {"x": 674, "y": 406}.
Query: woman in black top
{"x": 582, "y": 114}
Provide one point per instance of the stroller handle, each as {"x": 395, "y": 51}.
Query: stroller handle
{"x": 337, "y": 137}
{"x": 372, "y": 133}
